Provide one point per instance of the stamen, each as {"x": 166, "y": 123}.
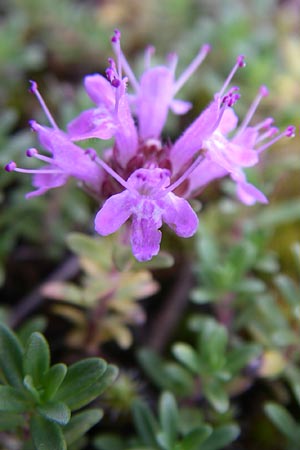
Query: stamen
{"x": 288, "y": 132}
{"x": 94, "y": 157}
{"x": 268, "y": 134}
{"x": 34, "y": 90}
{"x": 231, "y": 97}
{"x": 185, "y": 175}
{"x": 117, "y": 48}
{"x": 149, "y": 52}
{"x": 263, "y": 92}
{"x": 266, "y": 123}
{"x": 172, "y": 60}
{"x": 111, "y": 73}
{"x": 12, "y": 167}
{"x": 227, "y": 102}
{"x": 33, "y": 153}
{"x": 191, "y": 68}
{"x": 240, "y": 62}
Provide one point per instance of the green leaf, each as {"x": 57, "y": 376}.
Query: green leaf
{"x": 240, "y": 356}
{"x": 57, "y": 412}
{"x": 169, "y": 376}
{"x": 168, "y": 415}
{"x": 10, "y": 421}
{"x": 181, "y": 381}
{"x": 12, "y": 400}
{"x": 288, "y": 289}
{"x": 212, "y": 344}
{"x": 46, "y": 435}
{"x": 202, "y": 295}
{"x": 37, "y": 323}
{"x": 80, "y": 423}
{"x": 108, "y": 442}
{"x": 283, "y": 421}
{"x": 29, "y": 384}
{"x": 217, "y": 396}
{"x": 145, "y": 423}
{"x": 53, "y": 379}
{"x": 11, "y": 354}
{"x": 221, "y": 437}
{"x": 36, "y": 358}
{"x": 281, "y": 213}
{"x": 94, "y": 248}
{"x": 87, "y": 379}
{"x": 194, "y": 439}
{"x": 187, "y": 356}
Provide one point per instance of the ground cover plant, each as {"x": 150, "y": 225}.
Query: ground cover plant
{"x": 150, "y": 245}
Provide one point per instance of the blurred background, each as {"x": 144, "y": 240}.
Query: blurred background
{"x": 58, "y": 42}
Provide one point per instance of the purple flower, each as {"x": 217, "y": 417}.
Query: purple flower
{"x": 153, "y": 97}
{"x": 137, "y": 178}
{"x": 149, "y": 202}
{"x": 111, "y": 117}
{"x": 226, "y": 153}
{"x": 66, "y": 160}
{"x": 154, "y": 94}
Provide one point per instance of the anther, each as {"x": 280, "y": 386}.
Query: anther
{"x": 91, "y": 153}
{"x": 33, "y": 86}
{"x": 116, "y": 37}
{"x": 290, "y": 131}
{"x": 33, "y": 125}
{"x": 241, "y": 61}
{"x": 264, "y": 91}
{"x": 11, "y": 166}
{"x": 30, "y": 152}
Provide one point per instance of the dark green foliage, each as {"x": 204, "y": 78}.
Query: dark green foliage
{"x": 43, "y": 397}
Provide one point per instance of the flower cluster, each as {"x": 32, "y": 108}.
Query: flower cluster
{"x": 143, "y": 181}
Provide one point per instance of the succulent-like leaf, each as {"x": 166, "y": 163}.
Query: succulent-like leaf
{"x": 53, "y": 379}
{"x": 46, "y": 435}
{"x": 168, "y": 415}
{"x": 85, "y": 380}
{"x": 221, "y": 437}
{"x": 80, "y": 423}
{"x": 12, "y": 400}
{"x": 145, "y": 423}
{"x": 11, "y": 354}
{"x": 36, "y": 358}
{"x": 56, "y": 412}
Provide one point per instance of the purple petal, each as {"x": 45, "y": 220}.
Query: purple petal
{"x": 126, "y": 133}
{"x": 114, "y": 213}
{"x": 191, "y": 140}
{"x": 242, "y": 156}
{"x": 180, "y": 106}
{"x": 100, "y": 90}
{"x": 153, "y": 101}
{"x": 206, "y": 172}
{"x": 228, "y": 122}
{"x": 149, "y": 181}
{"x": 46, "y": 181}
{"x": 249, "y": 194}
{"x": 179, "y": 215}
{"x": 92, "y": 123}
{"x": 247, "y": 138}
{"x": 70, "y": 158}
{"x": 145, "y": 236}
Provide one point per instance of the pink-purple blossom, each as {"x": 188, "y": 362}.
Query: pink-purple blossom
{"x": 148, "y": 202}
{"x": 138, "y": 180}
